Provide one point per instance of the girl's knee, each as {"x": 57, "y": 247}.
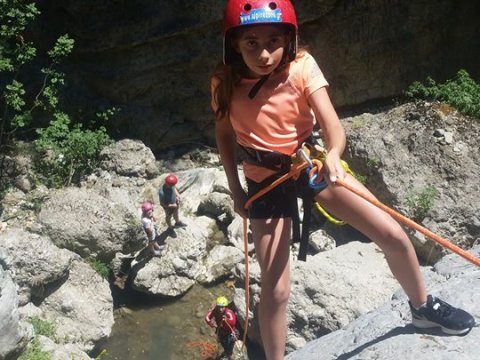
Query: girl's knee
{"x": 277, "y": 296}
{"x": 395, "y": 240}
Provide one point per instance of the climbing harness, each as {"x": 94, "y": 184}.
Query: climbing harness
{"x": 287, "y": 167}
{"x": 313, "y": 162}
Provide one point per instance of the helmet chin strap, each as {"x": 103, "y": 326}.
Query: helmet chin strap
{"x": 255, "y": 88}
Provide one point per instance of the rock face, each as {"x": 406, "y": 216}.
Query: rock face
{"x": 82, "y": 308}
{"x": 152, "y": 59}
{"x": 344, "y": 293}
{"x": 12, "y": 331}
{"x": 386, "y": 332}
{"x": 37, "y": 279}
{"x": 407, "y": 149}
{"x": 46, "y": 263}
{"x": 326, "y": 290}
{"x": 85, "y": 209}
{"x": 118, "y": 159}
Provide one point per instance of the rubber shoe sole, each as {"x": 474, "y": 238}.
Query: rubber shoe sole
{"x": 425, "y": 324}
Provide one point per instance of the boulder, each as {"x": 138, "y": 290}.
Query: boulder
{"x": 386, "y": 332}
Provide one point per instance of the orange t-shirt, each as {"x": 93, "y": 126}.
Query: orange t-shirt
{"x": 279, "y": 117}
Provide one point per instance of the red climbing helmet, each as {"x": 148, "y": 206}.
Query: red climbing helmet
{"x": 239, "y": 13}
{"x": 171, "y": 180}
{"x": 147, "y": 206}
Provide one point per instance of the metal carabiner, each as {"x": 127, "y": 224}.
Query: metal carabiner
{"x": 317, "y": 186}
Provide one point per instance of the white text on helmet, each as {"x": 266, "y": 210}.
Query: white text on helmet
{"x": 261, "y": 15}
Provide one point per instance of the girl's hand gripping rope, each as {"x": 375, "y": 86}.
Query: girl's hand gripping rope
{"x": 315, "y": 171}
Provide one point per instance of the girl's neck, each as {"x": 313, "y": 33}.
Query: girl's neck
{"x": 253, "y": 76}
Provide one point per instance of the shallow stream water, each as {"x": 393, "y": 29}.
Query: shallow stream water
{"x": 150, "y": 329}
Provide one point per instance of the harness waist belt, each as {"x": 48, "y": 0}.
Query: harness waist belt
{"x": 272, "y": 160}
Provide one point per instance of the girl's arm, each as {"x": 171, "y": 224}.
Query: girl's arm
{"x": 226, "y": 144}
{"x": 333, "y": 131}
{"x": 149, "y": 231}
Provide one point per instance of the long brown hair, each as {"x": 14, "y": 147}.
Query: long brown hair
{"x": 225, "y": 79}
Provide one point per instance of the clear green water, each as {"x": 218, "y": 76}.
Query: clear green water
{"x": 156, "y": 330}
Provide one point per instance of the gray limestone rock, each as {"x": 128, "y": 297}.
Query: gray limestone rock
{"x": 386, "y": 332}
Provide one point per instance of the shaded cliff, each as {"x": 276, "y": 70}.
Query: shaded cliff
{"x": 153, "y": 59}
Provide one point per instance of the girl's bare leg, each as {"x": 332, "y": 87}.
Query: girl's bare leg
{"x": 272, "y": 246}
{"x": 383, "y": 230}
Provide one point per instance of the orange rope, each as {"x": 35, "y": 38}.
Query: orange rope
{"x": 445, "y": 243}
{"x": 247, "y": 281}
{"x": 296, "y": 169}
{"x": 207, "y": 349}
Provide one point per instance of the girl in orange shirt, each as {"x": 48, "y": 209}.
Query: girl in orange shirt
{"x": 267, "y": 96}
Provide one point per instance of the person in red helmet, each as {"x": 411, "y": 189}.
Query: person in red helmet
{"x": 170, "y": 201}
{"x": 224, "y": 320}
{"x": 148, "y": 224}
{"x": 267, "y": 96}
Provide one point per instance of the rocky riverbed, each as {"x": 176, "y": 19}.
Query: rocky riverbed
{"x": 49, "y": 239}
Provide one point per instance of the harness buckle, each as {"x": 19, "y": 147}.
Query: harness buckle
{"x": 307, "y": 152}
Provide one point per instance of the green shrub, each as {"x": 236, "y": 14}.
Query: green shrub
{"x": 4, "y": 187}
{"x": 100, "y": 267}
{"x": 34, "y": 349}
{"x": 373, "y": 162}
{"x": 421, "y": 203}
{"x": 102, "y": 354}
{"x": 462, "y": 92}
{"x": 43, "y": 327}
{"x": 34, "y": 352}
{"x": 17, "y": 103}
{"x": 66, "y": 152}
{"x": 133, "y": 226}
{"x": 33, "y": 202}
{"x": 361, "y": 178}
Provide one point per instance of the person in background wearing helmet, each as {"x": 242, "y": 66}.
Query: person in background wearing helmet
{"x": 267, "y": 95}
{"x": 148, "y": 223}
{"x": 170, "y": 201}
{"x": 224, "y": 321}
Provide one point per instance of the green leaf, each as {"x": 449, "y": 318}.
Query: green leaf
{"x": 462, "y": 92}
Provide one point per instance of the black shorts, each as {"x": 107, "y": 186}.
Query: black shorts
{"x": 280, "y": 202}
